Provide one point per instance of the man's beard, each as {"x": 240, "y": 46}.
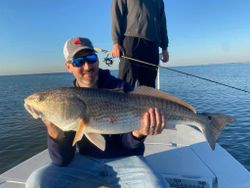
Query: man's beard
{"x": 92, "y": 82}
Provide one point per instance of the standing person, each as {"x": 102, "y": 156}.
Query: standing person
{"x": 138, "y": 29}
{"x": 121, "y": 164}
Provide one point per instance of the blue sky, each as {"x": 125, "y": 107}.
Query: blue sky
{"x": 32, "y": 32}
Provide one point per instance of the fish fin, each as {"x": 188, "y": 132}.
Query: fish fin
{"x": 149, "y": 91}
{"x": 213, "y": 129}
{"x": 80, "y": 131}
{"x": 97, "y": 140}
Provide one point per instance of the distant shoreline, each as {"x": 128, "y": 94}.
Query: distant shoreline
{"x": 44, "y": 73}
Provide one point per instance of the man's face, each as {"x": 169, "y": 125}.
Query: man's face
{"x": 87, "y": 74}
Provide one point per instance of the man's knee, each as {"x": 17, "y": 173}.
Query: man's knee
{"x": 41, "y": 177}
{"x": 34, "y": 180}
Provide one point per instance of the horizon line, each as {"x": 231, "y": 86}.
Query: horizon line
{"x": 62, "y": 72}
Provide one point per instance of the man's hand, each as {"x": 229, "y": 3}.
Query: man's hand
{"x": 117, "y": 50}
{"x": 152, "y": 123}
{"x": 165, "y": 56}
{"x": 53, "y": 130}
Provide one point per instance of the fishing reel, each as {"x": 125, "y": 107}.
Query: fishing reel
{"x": 108, "y": 60}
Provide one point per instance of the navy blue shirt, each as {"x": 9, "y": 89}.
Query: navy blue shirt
{"x": 119, "y": 145}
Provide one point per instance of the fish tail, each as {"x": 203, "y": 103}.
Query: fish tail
{"x": 213, "y": 126}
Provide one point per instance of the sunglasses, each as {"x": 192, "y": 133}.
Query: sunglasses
{"x": 79, "y": 61}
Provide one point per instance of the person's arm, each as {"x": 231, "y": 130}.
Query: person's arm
{"x": 60, "y": 146}
{"x": 118, "y": 11}
{"x": 164, "y": 36}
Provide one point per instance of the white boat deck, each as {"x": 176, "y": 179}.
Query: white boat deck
{"x": 182, "y": 157}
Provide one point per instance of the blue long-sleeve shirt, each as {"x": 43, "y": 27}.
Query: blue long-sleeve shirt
{"x": 120, "y": 145}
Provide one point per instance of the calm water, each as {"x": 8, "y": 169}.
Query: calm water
{"x": 21, "y": 136}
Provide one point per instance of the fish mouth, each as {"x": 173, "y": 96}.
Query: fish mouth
{"x": 35, "y": 113}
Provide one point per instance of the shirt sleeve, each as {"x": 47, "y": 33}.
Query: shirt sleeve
{"x": 118, "y": 15}
{"x": 129, "y": 142}
{"x": 61, "y": 152}
{"x": 164, "y": 33}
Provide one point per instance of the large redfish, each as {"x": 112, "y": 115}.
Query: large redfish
{"x": 92, "y": 112}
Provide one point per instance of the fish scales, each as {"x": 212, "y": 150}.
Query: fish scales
{"x": 119, "y": 113}
{"x": 126, "y": 110}
{"x": 171, "y": 110}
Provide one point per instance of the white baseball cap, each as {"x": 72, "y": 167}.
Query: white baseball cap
{"x": 74, "y": 45}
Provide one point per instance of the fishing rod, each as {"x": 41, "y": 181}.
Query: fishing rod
{"x": 171, "y": 69}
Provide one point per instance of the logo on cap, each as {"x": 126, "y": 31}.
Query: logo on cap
{"x": 77, "y": 41}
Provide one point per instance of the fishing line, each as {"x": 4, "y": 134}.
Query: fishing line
{"x": 171, "y": 69}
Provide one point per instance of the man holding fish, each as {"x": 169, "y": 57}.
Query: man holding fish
{"x": 114, "y": 160}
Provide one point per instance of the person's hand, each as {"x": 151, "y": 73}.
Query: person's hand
{"x": 152, "y": 123}
{"x": 165, "y": 56}
{"x": 53, "y": 130}
{"x": 116, "y": 50}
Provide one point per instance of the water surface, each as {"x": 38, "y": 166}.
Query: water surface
{"x": 22, "y": 136}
